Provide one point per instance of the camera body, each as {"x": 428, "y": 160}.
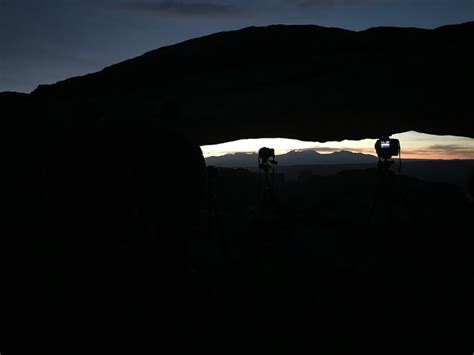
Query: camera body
{"x": 266, "y": 153}
{"x": 387, "y": 147}
{"x": 266, "y": 157}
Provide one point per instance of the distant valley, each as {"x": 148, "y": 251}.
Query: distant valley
{"x": 296, "y": 165}
{"x": 303, "y": 157}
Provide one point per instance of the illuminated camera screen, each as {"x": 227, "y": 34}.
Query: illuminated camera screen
{"x": 385, "y": 144}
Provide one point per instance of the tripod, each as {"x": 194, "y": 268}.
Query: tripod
{"x": 212, "y": 207}
{"x": 388, "y": 198}
{"x": 267, "y": 196}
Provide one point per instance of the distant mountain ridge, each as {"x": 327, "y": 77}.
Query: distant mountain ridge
{"x": 294, "y": 157}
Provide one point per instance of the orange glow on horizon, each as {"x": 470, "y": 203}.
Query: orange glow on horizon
{"x": 414, "y": 145}
{"x": 436, "y": 156}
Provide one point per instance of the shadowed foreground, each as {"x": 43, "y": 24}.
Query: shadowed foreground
{"x": 324, "y": 272}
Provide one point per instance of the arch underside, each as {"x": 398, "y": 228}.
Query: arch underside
{"x": 304, "y": 82}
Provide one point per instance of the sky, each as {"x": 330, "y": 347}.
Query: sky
{"x": 414, "y": 145}
{"x": 44, "y": 41}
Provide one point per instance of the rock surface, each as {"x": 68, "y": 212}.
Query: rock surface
{"x": 305, "y": 82}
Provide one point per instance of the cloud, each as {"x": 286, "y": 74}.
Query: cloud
{"x": 186, "y": 8}
{"x": 314, "y": 3}
{"x": 458, "y": 151}
{"x": 451, "y": 148}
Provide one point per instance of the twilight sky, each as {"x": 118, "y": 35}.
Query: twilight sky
{"x": 43, "y": 41}
{"x": 414, "y": 145}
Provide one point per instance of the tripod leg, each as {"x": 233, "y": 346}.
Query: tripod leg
{"x": 372, "y": 207}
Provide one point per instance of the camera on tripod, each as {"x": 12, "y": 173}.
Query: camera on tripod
{"x": 387, "y": 148}
{"x": 266, "y": 158}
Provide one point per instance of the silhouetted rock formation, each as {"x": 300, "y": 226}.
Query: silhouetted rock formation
{"x": 305, "y": 82}
{"x": 96, "y": 232}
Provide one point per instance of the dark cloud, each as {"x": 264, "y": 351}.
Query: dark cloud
{"x": 186, "y": 8}
{"x": 450, "y": 148}
{"x": 311, "y": 3}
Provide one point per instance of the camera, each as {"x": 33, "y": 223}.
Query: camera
{"x": 266, "y": 157}
{"x": 387, "y": 147}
